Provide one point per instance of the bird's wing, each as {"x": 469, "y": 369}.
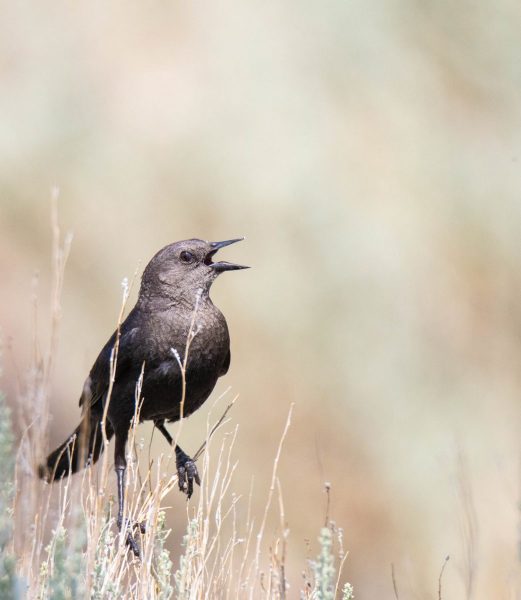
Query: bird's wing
{"x": 97, "y": 383}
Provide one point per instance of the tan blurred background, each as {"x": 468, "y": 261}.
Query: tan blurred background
{"x": 370, "y": 153}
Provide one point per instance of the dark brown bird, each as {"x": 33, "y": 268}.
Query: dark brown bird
{"x": 173, "y": 310}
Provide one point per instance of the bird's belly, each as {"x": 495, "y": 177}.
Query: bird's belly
{"x": 166, "y": 381}
{"x": 164, "y": 391}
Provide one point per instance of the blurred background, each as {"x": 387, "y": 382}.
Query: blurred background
{"x": 371, "y": 154}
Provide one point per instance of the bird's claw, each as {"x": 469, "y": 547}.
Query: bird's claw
{"x": 142, "y": 527}
{"x": 132, "y": 544}
{"x": 187, "y": 473}
{"x": 130, "y": 540}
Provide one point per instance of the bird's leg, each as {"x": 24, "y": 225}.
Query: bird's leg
{"x": 186, "y": 470}
{"x": 160, "y": 426}
{"x": 120, "y": 463}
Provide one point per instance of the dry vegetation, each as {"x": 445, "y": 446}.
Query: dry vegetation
{"x": 61, "y": 541}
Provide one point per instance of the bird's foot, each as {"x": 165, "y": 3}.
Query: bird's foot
{"x": 130, "y": 540}
{"x": 186, "y": 472}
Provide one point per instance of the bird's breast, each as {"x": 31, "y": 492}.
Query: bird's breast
{"x": 199, "y": 349}
{"x": 200, "y": 344}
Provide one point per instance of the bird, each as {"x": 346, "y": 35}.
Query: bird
{"x": 174, "y": 344}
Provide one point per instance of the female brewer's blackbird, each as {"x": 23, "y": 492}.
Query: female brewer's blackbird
{"x": 174, "y": 306}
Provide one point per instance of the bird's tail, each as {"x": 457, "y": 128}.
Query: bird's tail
{"x": 83, "y": 447}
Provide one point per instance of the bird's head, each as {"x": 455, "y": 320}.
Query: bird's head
{"x": 185, "y": 268}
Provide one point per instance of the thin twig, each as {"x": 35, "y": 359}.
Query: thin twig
{"x": 327, "y": 489}
{"x": 441, "y": 575}
{"x": 395, "y": 586}
{"x": 213, "y": 430}
{"x": 270, "y": 493}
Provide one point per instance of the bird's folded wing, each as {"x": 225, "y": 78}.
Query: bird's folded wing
{"x": 97, "y": 383}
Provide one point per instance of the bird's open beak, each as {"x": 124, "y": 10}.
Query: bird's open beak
{"x": 222, "y": 265}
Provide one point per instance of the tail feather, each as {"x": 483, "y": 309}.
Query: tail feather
{"x": 83, "y": 447}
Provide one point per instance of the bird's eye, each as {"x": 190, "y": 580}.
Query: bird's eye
{"x": 186, "y": 257}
